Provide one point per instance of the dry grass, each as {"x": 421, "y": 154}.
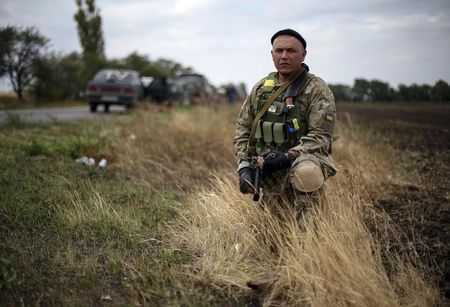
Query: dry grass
{"x": 330, "y": 259}
{"x": 192, "y": 143}
{"x": 8, "y": 100}
{"x": 95, "y": 210}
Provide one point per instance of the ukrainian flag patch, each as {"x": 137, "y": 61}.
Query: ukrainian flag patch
{"x": 272, "y": 108}
{"x": 329, "y": 116}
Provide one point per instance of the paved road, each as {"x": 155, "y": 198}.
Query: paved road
{"x": 47, "y": 115}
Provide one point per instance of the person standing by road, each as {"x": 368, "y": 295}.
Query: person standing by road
{"x": 285, "y": 127}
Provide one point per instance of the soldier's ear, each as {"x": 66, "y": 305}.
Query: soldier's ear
{"x": 304, "y": 55}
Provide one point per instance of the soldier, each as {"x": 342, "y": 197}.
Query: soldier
{"x": 287, "y": 122}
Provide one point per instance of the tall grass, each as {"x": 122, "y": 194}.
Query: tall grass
{"x": 176, "y": 149}
{"x": 328, "y": 258}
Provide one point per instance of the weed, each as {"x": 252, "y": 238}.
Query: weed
{"x": 171, "y": 257}
{"x": 71, "y": 147}
{"x": 36, "y": 148}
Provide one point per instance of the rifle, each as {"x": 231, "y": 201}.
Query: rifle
{"x": 268, "y": 156}
{"x": 257, "y": 183}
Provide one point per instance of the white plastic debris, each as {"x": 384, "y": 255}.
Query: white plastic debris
{"x": 106, "y": 298}
{"x": 81, "y": 160}
{"x": 85, "y": 160}
{"x": 102, "y": 163}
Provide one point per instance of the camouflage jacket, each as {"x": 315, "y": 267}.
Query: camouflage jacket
{"x": 317, "y": 108}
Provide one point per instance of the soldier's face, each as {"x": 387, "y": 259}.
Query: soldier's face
{"x": 288, "y": 55}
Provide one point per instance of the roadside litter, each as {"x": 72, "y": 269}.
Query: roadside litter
{"x": 102, "y": 163}
{"x": 89, "y": 161}
{"x": 86, "y": 161}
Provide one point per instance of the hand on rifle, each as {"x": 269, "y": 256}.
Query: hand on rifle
{"x": 246, "y": 179}
{"x": 274, "y": 160}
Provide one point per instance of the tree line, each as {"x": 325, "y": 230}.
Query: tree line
{"x": 376, "y": 90}
{"x": 46, "y": 75}
{"x": 32, "y": 68}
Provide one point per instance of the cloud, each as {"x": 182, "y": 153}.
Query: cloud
{"x": 228, "y": 40}
{"x": 184, "y": 8}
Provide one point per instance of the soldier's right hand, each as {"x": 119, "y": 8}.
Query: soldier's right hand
{"x": 246, "y": 179}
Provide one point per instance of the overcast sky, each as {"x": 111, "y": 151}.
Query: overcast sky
{"x": 398, "y": 41}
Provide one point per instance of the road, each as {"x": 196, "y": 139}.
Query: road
{"x": 51, "y": 115}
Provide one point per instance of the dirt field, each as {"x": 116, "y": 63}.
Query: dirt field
{"x": 421, "y": 134}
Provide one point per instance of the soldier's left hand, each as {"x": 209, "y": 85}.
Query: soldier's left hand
{"x": 275, "y": 160}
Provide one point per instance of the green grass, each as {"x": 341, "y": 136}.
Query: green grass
{"x": 67, "y": 228}
{"x": 75, "y": 234}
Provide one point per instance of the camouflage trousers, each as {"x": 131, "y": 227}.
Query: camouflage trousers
{"x": 279, "y": 195}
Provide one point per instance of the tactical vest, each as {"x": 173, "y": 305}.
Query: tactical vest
{"x": 282, "y": 126}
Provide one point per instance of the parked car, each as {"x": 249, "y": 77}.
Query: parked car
{"x": 195, "y": 88}
{"x": 114, "y": 87}
{"x": 163, "y": 89}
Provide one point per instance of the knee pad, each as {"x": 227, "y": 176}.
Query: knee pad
{"x": 307, "y": 176}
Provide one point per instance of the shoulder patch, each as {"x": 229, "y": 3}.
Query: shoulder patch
{"x": 329, "y": 116}
{"x": 269, "y": 83}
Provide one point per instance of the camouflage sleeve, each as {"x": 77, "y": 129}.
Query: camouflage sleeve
{"x": 243, "y": 128}
{"x": 321, "y": 119}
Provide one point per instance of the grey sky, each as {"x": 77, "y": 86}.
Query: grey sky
{"x": 399, "y": 41}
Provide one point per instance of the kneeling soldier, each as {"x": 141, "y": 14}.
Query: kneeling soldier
{"x": 286, "y": 127}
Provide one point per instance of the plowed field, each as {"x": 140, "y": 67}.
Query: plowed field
{"x": 421, "y": 136}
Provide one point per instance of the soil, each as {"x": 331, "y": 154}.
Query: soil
{"x": 421, "y": 134}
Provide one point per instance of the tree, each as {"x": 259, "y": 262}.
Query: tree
{"x": 57, "y": 77}
{"x": 89, "y": 25}
{"x": 404, "y": 93}
{"x": 440, "y": 91}
{"x": 143, "y": 65}
{"x": 7, "y": 38}
{"x": 171, "y": 67}
{"x": 341, "y": 92}
{"x": 414, "y": 92}
{"x": 380, "y": 91}
{"x": 146, "y": 67}
{"x": 20, "y": 48}
{"x": 361, "y": 90}
{"x": 424, "y": 92}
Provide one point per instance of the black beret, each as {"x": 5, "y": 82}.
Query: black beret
{"x": 289, "y": 32}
